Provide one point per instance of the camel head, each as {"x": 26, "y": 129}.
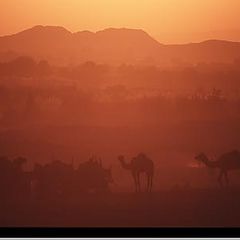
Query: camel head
{"x": 19, "y": 161}
{"x": 123, "y": 163}
{"x": 201, "y": 157}
{"x": 121, "y": 158}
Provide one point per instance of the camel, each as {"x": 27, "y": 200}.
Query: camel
{"x": 91, "y": 175}
{"x": 139, "y": 164}
{"x": 226, "y": 162}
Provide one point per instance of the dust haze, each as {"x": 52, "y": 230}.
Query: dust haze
{"x": 116, "y": 129}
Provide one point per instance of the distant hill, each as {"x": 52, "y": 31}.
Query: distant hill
{"x": 112, "y": 46}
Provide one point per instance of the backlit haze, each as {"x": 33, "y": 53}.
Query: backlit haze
{"x": 119, "y": 113}
{"x": 168, "y": 21}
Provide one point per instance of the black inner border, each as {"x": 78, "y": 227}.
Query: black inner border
{"x": 121, "y": 232}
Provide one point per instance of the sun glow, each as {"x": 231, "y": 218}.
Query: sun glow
{"x": 166, "y": 20}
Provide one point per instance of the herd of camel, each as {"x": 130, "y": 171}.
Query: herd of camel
{"x": 142, "y": 164}
{"x": 65, "y": 176}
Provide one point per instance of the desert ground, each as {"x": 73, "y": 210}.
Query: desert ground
{"x": 170, "y": 208}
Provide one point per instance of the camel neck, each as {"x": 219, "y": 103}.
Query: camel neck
{"x": 211, "y": 164}
{"x": 125, "y": 165}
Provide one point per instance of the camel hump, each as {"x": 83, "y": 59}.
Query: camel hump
{"x": 231, "y": 155}
{"x": 234, "y": 152}
{"x": 142, "y": 156}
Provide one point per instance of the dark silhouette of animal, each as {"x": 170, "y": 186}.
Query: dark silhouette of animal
{"x": 91, "y": 176}
{"x": 138, "y": 165}
{"x": 14, "y": 181}
{"x": 226, "y": 162}
{"x": 53, "y": 179}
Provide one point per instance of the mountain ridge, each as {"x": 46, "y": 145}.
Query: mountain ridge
{"x": 113, "y": 46}
{"x": 51, "y": 27}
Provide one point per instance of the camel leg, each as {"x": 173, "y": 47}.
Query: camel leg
{"x": 138, "y": 180}
{"x": 151, "y": 183}
{"x": 220, "y": 178}
{"x": 226, "y": 178}
{"x": 135, "y": 182}
{"x": 148, "y": 183}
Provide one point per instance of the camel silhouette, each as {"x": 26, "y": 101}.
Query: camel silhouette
{"x": 92, "y": 176}
{"x": 226, "y": 162}
{"x": 138, "y": 165}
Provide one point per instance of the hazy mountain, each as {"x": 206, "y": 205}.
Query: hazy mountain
{"x": 41, "y": 42}
{"x": 113, "y": 46}
{"x": 207, "y": 51}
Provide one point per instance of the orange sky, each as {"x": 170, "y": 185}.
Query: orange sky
{"x": 170, "y": 21}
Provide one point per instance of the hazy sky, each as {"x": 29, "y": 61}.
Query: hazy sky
{"x": 167, "y": 20}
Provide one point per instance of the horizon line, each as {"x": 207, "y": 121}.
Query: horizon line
{"x": 118, "y": 28}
